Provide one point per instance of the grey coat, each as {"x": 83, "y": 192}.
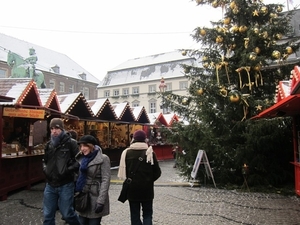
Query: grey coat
{"x": 99, "y": 186}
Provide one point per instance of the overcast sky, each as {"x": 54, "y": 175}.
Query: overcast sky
{"x": 101, "y": 34}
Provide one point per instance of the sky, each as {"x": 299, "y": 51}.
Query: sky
{"x": 102, "y": 34}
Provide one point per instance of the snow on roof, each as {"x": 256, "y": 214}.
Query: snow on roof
{"x": 120, "y": 108}
{"x": 167, "y": 65}
{"x": 170, "y": 118}
{"x": 137, "y": 111}
{"x": 46, "y": 58}
{"x": 151, "y": 60}
{"x": 97, "y": 104}
{"x": 66, "y": 101}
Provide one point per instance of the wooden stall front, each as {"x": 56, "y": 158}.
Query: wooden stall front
{"x": 19, "y": 165}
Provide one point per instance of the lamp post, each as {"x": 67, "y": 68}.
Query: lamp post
{"x": 162, "y": 89}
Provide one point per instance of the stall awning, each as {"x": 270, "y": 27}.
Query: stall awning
{"x": 289, "y": 106}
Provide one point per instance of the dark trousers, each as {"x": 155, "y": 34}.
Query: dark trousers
{"x": 135, "y": 212}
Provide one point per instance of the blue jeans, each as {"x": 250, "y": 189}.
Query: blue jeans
{"x": 63, "y": 198}
{"x": 135, "y": 212}
{"x": 90, "y": 221}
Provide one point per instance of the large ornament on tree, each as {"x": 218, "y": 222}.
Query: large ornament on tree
{"x": 276, "y": 54}
{"x": 289, "y": 50}
{"x": 234, "y": 96}
{"x": 202, "y": 32}
{"x": 243, "y": 28}
{"x": 184, "y": 101}
{"x": 200, "y": 91}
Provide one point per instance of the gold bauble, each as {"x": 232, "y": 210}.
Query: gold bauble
{"x": 276, "y": 54}
{"x": 183, "y": 53}
{"x": 219, "y": 39}
{"x": 252, "y": 56}
{"x": 184, "y": 101}
{"x": 232, "y": 5}
{"x": 264, "y": 10}
{"x": 243, "y": 28}
{"x": 256, "y": 30}
{"x": 257, "y": 67}
{"x": 289, "y": 50}
{"x": 215, "y": 4}
{"x": 257, "y": 50}
{"x": 200, "y": 91}
{"x": 227, "y": 20}
{"x": 234, "y": 97}
{"x": 202, "y": 32}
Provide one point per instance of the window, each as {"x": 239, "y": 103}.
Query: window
{"x": 61, "y": 87}
{"x": 116, "y": 92}
{"x": 183, "y": 85}
{"x": 86, "y": 92}
{"x": 135, "y": 90}
{"x": 169, "y": 87}
{"x": 152, "y": 88}
{"x": 2, "y": 73}
{"x": 152, "y": 106}
{"x": 106, "y": 94}
{"x": 125, "y": 91}
{"x": 135, "y": 104}
{"x": 72, "y": 88}
{"x": 52, "y": 84}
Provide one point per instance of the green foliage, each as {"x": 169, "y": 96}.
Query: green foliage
{"x": 237, "y": 80}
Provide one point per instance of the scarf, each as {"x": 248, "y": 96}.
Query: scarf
{"x": 134, "y": 146}
{"x": 86, "y": 159}
{"x": 56, "y": 140}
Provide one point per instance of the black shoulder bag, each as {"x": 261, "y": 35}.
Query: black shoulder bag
{"x": 123, "y": 195}
{"x": 81, "y": 199}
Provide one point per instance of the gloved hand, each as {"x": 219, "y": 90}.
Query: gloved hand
{"x": 99, "y": 208}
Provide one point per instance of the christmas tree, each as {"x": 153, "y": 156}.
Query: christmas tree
{"x": 242, "y": 58}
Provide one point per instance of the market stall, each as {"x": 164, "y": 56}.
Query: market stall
{"x": 288, "y": 104}
{"x": 19, "y": 165}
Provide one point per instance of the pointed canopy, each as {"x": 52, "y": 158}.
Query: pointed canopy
{"x": 140, "y": 114}
{"x": 124, "y": 112}
{"x": 75, "y": 104}
{"x": 102, "y": 109}
{"x": 22, "y": 90}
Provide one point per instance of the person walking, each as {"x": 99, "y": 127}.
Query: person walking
{"x": 94, "y": 177}
{"x": 141, "y": 189}
{"x": 59, "y": 167}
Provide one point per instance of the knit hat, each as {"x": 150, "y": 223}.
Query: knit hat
{"x": 57, "y": 123}
{"x": 139, "y": 135}
{"x": 87, "y": 139}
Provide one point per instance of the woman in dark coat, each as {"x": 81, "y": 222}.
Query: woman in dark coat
{"x": 93, "y": 163}
{"x": 141, "y": 190}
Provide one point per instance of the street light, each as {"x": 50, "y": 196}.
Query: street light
{"x": 162, "y": 89}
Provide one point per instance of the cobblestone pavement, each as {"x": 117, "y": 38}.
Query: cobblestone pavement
{"x": 176, "y": 202}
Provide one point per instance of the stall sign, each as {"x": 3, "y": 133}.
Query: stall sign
{"x": 25, "y": 113}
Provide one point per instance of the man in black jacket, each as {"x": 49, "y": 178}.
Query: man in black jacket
{"x": 59, "y": 168}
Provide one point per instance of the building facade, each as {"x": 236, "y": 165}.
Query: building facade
{"x": 137, "y": 80}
